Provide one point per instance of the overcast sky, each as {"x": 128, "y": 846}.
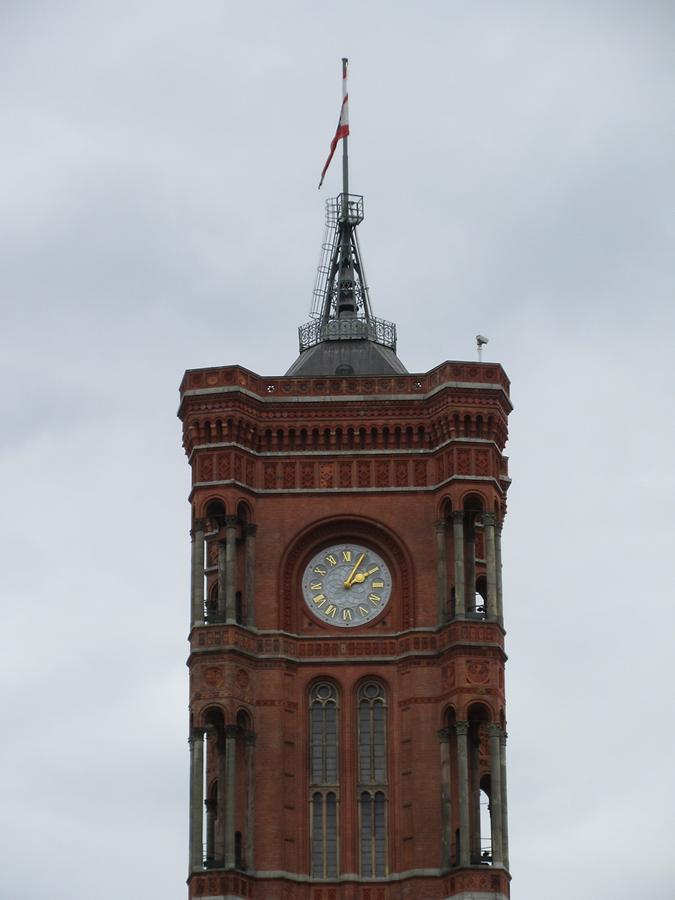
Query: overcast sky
{"x": 158, "y": 172}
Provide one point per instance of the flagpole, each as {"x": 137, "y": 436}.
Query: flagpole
{"x": 345, "y": 152}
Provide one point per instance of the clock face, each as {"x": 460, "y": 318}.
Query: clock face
{"x": 346, "y": 585}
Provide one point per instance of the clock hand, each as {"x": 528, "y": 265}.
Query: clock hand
{"x": 360, "y": 577}
{"x": 348, "y": 582}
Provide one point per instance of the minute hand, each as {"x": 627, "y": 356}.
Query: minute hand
{"x": 348, "y": 582}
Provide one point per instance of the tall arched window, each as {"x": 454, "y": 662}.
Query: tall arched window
{"x": 372, "y": 713}
{"x": 324, "y": 779}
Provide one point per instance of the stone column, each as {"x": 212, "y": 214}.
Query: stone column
{"x": 470, "y": 563}
{"x": 250, "y": 798}
{"x": 462, "y": 730}
{"x": 458, "y": 540}
{"x": 491, "y": 565}
{"x": 505, "y": 818}
{"x": 498, "y": 572}
{"x": 474, "y": 792}
{"x": 494, "y": 732}
{"x": 222, "y": 580}
{"x": 446, "y": 832}
{"x": 210, "y": 806}
{"x": 441, "y": 571}
{"x": 231, "y": 568}
{"x": 230, "y": 789}
{"x": 219, "y": 742}
{"x": 196, "y": 743}
{"x": 198, "y": 573}
{"x": 249, "y": 574}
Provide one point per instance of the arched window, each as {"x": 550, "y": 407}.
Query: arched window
{"x": 372, "y": 754}
{"x": 324, "y": 779}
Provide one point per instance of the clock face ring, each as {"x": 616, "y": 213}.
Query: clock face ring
{"x": 346, "y": 584}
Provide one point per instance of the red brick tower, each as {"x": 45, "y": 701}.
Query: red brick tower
{"x": 347, "y": 727}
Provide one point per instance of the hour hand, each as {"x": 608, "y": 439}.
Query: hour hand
{"x": 360, "y": 577}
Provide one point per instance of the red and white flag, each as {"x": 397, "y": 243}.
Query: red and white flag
{"x": 343, "y": 123}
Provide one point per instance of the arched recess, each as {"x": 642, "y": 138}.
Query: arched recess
{"x": 401, "y": 608}
{"x": 450, "y": 813}
{"x": 479, "y": 716}
{"x": 244, "y": 744}
{"x": 473, "y": 506}
{"x": 213, "y": 719}
{"x": 224, "y": 564}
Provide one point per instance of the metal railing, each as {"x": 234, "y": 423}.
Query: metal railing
{"x": 347, "y": 329}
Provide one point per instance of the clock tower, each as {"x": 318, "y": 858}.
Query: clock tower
{"x": 347, "y": 714}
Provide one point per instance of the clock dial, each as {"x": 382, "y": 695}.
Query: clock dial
{"x": 346, "y": 585}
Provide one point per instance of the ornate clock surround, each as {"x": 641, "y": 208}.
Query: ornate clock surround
{"x": 399, "y": 613}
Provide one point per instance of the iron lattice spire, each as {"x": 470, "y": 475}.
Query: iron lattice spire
{"x": 341, "y": 309}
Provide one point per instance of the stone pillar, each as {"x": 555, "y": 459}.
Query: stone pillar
{"x": 250, "y": 798}
{"x": 230, "y": 791}
{"x": 498, "y": 572}
{"x": 446, "y": 818}
{"x": 210, "y": 806}
{"x": 219, "y": 742}
{"x": 222, "y": 580}
{"x": 462, "y": 730}
{"x": 196, "y": 743}
{"x": 230, "y": 568}
{"x": 198, "y": 573}
{"x": 249, "y": 574}
{"x": 505, "y": 818}
{"x": 470, "y": 563}
{"x": 491, "y": 565}
{"x": 494, "y": 732}
{"x": 474, "y": 792}
{"x": 441, "y": 571}
{"x": 458, "y": 540}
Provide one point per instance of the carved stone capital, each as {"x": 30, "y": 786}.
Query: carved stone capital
{"x": 441, "y": 526}
{"x": 197, "y": 735}
{"x": 251, "y": 530}
{"x": 461, "y": 728}
{"x": 444, "y": 735}
{"x": 231, "y": 522}
{"x": 231, "y": 732}
{"x": 250, "y": 739}
{"x": 489, "y": 519}
{"x": 494, "y": 730}
{"x": 457, "y": 517}
{"x": 199, "y": 525}
{"x": 502, "y": 738}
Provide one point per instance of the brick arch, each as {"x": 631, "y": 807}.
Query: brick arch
{"x": 480, "y": 706}
{"x": 333, "y": 530}
{"x": 201, "y": 507}
{"x": 202, "y": 713}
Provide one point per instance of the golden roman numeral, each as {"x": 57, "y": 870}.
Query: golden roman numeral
{"x": 347, "y": 615}
{"x": 320, "y": 599}
{"x": 316, "y": 586}
{"x": 319, "y": 570}
{"x": 374, "y": 598}
{"x": 346, "y": 556}
{"x": 377, "y": 584}
{"x": 364, "y": 611}
{"x": 331, "y": 610}
{"x": 331, "y": 560}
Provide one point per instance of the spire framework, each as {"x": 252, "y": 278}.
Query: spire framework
{"x": 341, "y": 307}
